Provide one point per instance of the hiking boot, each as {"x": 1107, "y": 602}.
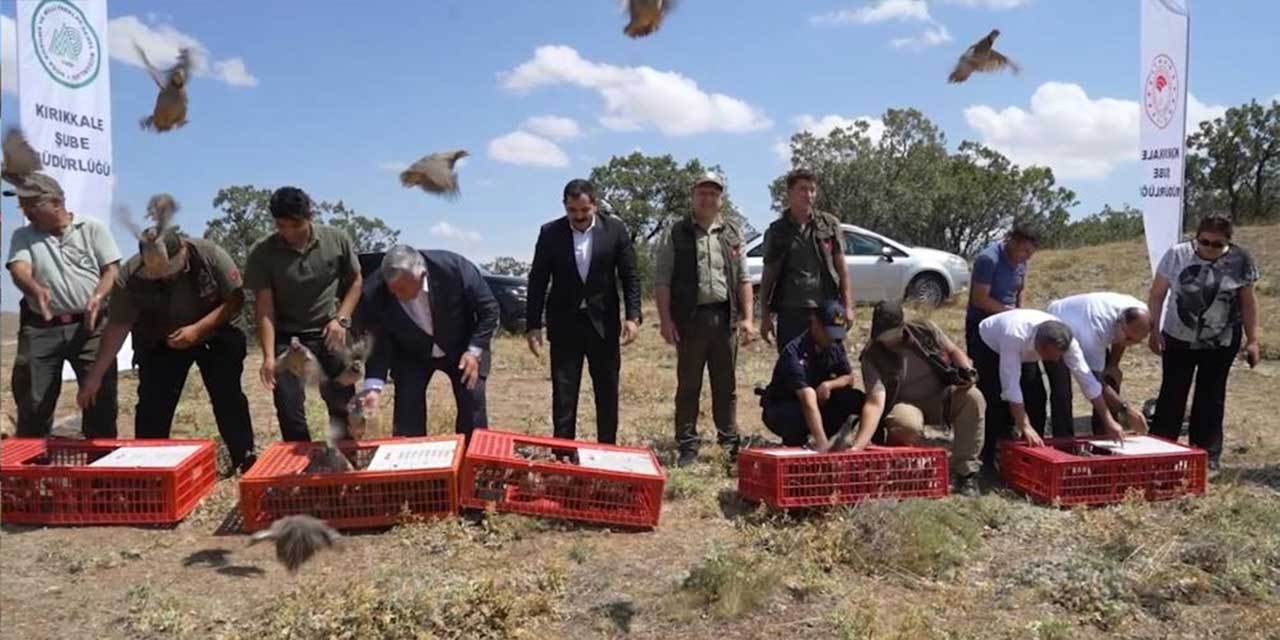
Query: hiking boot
{"x": 248, "y": 463}
{"x": 686, "y": 458}
{"x": 840, "y": 441}
{"x": 967, "y": 485}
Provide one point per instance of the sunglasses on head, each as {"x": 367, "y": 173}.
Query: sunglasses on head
{"x": 1212, "y": 244}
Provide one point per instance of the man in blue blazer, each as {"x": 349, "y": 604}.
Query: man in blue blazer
{"x": 428, "y": 311}
{"x": 583, "y": 257}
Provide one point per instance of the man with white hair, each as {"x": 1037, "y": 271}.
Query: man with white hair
{"x": 1028, "y": 335}
{"x": 1104, "y": 324}
{"x": 428, "y": 311}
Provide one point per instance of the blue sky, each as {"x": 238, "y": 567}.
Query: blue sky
{"x": 333, "y": 95}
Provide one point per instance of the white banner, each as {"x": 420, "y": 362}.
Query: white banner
{"x": 64, "y": 93}
{"x": 1166, "y": 26}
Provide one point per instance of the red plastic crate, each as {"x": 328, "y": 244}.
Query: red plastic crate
{"x": 1070, "y": 471}
{"x": 276, "y": 486}
{"x": 50, "y": 482}
{"x": 516, "y": 473}
{"x": 786, "y": 478}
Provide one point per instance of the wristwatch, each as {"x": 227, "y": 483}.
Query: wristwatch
{"x": 344, "y": 321}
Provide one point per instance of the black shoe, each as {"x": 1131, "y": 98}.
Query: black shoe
{"x": 840, "y": 441}
{"x": 967, "y": 485}
{"x": 248, "y": 463}
{"x": 686, "y": 458}
{"x": 1214, "y": 464}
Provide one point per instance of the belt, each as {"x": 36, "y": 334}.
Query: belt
{"x": 35, "y": 320}
{"x": 714, "y": 306}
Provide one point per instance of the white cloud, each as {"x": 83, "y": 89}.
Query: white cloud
{"x": 393, "y": 166}
{"x": 823, "y": 126}
{"x": 994, "y": 5}
{"x": 443, "y": 229}
{"x": 161, "y": 43}
{"x": 526, "y": 149}
{"x": 8, "y": 55}
{"x": 636, "y": 98}
{"x": 902, "y": 10}
{"x": 554, "y": 127}
{"x": 1077, "y": 136}
{"x": 1198, "y": 112}
{"x": 930, "y": 37}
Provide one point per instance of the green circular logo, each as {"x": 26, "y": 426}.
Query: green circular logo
{"x": 66, "y": 44}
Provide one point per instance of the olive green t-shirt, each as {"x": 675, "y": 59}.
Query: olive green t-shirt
{"x": 156, "y": 308}
{"x": 306, "y": 283}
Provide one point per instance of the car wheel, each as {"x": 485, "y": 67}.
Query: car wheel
{"x": 928, "y": 289}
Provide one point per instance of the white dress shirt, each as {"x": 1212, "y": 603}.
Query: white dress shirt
{"x": 1094, "y": 318}
{"x": 582, "y": 252}
{"x": 1012, "y": 335}
{"x": 419, "y": 310}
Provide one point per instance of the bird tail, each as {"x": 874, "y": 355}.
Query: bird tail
{"x": 20, "y": 159}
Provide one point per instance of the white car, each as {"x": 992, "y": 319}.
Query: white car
{"x": 882, "y": 269}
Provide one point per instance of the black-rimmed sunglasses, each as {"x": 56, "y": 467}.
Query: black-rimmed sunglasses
{"x": 1213, "y": 244}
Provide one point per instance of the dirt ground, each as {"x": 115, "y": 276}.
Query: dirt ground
{"x": 995, "y": 567}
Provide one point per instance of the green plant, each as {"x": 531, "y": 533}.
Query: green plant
{"x": 730, "y": 583}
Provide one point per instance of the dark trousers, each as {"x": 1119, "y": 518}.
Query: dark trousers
{"x": 604, "y": 362}
{"x": 786, "y": 417}
{"x": 1061, "y": 414}
{"x": 412, "y": 375}
{"x": 291, "y": 395}
{"x": 162, "y": 373}
{"x": 1209, "y": 368}
{"x": 788, "y": 324}
{"x": 999, "y": 420}
{"x": 37, "y": 378}
{"x": 708, "y": 340}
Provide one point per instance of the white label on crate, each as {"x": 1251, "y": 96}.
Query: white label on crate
{"x": 624, "y": 461}
{"x": 1139, "y": 445}
{"x": 780, "y": 453}
{"x": 161, "y": 456}
{"x": 413, "y": 455}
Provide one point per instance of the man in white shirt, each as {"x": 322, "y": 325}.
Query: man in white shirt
{"x": 1104, "y": 324}
{"x": 1028, "y": 335}
{"x": 428, "y": 311}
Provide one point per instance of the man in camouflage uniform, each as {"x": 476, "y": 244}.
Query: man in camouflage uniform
{"x": 804, "y": 264}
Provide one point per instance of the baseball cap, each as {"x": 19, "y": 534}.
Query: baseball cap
{"x": 33, "y": 185}
{"x": 710, "y": 177}
{"x": 886, "y": 317}
{"x": 831, "y": 313}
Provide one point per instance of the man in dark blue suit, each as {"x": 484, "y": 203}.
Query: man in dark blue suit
{"x": 428, "y": 311}
{"x": 584, "y": 257}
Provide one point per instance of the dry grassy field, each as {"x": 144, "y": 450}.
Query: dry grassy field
{"x": 994, "y": 567}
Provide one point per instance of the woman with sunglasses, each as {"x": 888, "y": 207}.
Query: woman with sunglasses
{"x": 1210, "y": 303}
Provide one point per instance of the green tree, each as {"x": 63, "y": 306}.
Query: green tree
{"x": 368, "y": 234}
{"x": 506, "y": 266}
{"x": 246, "y": 218}
{"x": 1108, "y": 225}
{"x": 907, "y": 186}
{"x": 1234, "y": 165}
{"x": 646, "y": 192}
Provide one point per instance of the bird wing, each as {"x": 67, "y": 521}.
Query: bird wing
{"x": 184, "y": 63}
{"x": 964, "y": 67}
{"x": 20, "y": 158}
{"x": 123, "y": 217}
{"x": 152, "y": 71}
{"x": 996, "y": 60}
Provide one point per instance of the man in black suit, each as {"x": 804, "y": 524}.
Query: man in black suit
{"x": 584, "y": 256}
{"x": 428, "y": 311}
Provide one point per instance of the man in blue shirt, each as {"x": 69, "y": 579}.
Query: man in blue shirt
{"x": 996, "y": 286}
{"x": 811, "y": 393}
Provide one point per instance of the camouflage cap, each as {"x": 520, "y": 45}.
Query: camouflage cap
{"x": 33, "y": 185}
